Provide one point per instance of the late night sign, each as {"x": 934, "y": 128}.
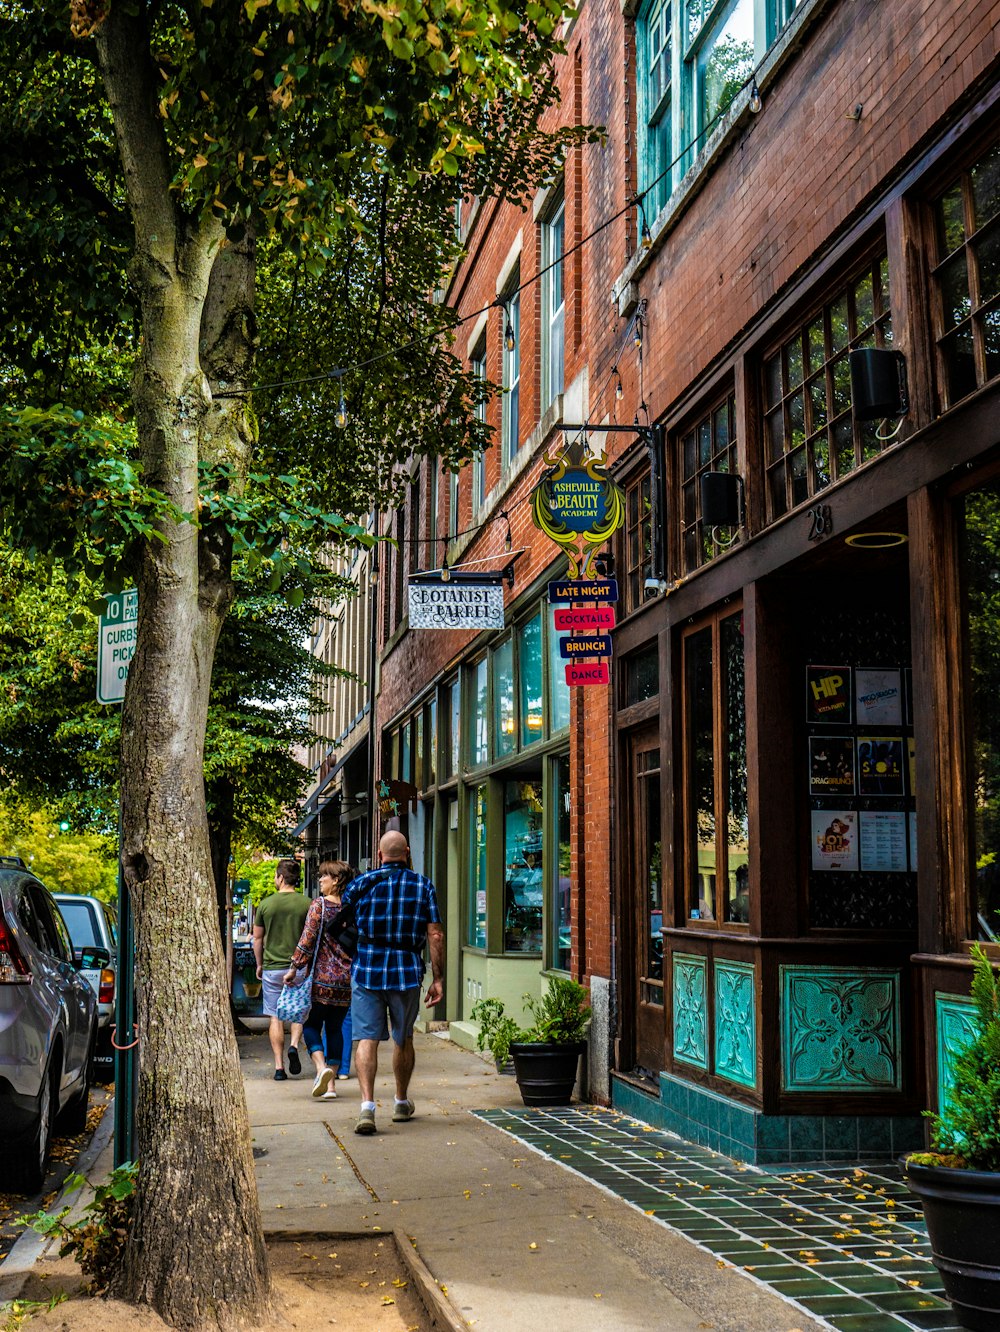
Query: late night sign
{"x": 601, "y": 590}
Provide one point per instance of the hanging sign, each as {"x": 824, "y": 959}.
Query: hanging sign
{"x": 603, "y": 591}
{"x": 456, "y": 605}
{"x": 394, "y": 796}
{"x": 584, "y": 617}
{"x": 586, "y": 645}
{"x": 588, "y": 673}
{"x": 116, "y": 644}
{"x": 578, "y": 507}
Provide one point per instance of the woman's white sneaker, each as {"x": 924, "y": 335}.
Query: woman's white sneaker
{"x": 322, "y": 1082}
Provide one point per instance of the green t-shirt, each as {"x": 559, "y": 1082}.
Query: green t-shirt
{"x": 281, "y": 916}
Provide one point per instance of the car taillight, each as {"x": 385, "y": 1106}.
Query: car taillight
{"x": 106, "y": 990}
{"x": 13, "y": 968}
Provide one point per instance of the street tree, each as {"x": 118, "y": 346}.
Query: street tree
{"x": 247, "y": 135}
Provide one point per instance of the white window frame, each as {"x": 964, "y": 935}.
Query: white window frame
{"x": 553, "y": 293}
{"x": 477, "y": 364}
{"x": 510, "y": 316}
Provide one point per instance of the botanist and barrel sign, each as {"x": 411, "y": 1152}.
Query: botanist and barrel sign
{"x": 579, "y": 508}
{"x": 455, "y": 605}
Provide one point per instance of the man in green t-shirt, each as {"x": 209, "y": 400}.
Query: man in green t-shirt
{"x": 276, "y": 932}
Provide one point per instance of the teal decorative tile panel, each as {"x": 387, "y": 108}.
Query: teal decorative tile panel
{"x": 690, "y": 1015}
{"x": 840, "y": 1029}
{"x": 956, "y": 1026}
{"x": 735, "y": 1022}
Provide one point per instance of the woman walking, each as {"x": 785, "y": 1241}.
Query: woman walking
{"x": 331, "y": 991}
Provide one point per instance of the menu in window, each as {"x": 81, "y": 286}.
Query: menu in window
{"x": 883, "y": 841}
{"x": 831, "y": 765}
{"x": 834, "y": 839}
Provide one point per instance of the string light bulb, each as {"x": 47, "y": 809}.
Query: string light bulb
{"x": 445, "y": 573}
{"x": 508, "y": 540}
{"x": 637, "y": 335}
{"x": 509, "y": 339}
{"x": 619, "y": 387}
{"x": 756, "y": 101}
{"x": 647, "y": 239}
{"x": 340, "y": 419}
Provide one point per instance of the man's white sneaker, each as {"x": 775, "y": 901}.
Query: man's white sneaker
{"x": 322, "y": 1082}
{"x": 331, "y": 1095}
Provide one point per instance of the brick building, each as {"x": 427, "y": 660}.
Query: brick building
{"x": 725, "y": 844}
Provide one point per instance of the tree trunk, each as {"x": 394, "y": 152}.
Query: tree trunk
{"x": 196, "y": 1251}
{"x": 220, "y": 840}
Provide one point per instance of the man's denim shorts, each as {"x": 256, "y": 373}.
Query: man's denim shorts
{"x": 273, "y": 981}
{"x": 372, "y": 1011}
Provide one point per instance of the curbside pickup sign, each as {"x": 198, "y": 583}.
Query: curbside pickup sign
{"x": 116, "y": 644}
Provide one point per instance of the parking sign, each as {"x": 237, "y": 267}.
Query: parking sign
{"x": 116, "y": 644}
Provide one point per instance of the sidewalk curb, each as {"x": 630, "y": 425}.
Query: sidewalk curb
{"x": 440, "y": 1311}
{"x": 30, "y": 1248}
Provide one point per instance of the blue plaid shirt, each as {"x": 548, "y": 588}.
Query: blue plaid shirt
{"x": 392, "y": 906}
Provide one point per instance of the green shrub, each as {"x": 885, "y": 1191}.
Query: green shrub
{"x": 560, "y": 1017}
{"x": 97, "y": 1238}
{"x": 967, "y": 1134}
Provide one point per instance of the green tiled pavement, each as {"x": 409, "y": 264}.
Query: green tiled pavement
{"x": 848, "y": 1245}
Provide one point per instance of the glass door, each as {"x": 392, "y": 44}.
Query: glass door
{"x": 647, "y": 886}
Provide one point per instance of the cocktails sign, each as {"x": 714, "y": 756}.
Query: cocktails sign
{"x": 578, "y": 507}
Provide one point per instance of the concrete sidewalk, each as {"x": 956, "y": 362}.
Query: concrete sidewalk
{"x": 515, "y": 1241}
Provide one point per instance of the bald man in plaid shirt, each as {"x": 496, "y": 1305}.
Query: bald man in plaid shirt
{"x": 396, "y": 913}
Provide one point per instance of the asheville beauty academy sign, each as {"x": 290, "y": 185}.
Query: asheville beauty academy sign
{"x": 579, "y": 508}
{"x": 456, "y": 605}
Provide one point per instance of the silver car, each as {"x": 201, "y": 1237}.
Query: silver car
{"x": 48, "y": 1028}
{"x": 93, "y": 924}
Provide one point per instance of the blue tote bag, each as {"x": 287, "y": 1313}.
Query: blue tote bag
{"x": 295, "y": 1001}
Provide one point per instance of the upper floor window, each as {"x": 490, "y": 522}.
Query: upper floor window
{"x": 553, "y": 304}
{"x": 709, "y": 446}
{"x": 967, "y": 279}
{"x": 511, "y": 376}
{"x": 477, "y": 363}
{"x": 433, "y": 482}
{"x": 693, "y": 58}
{"x": 452, "y": 505}
{"x": 811, "y": 438}
{"x": 655, "y": 55}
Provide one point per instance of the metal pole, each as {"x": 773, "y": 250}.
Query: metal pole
{"x": 126, "y": 1066}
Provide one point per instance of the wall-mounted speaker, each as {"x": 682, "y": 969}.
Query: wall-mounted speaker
{"x": 720, "y": 499}
{"x": 878, "y": 384}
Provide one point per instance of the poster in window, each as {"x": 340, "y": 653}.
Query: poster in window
{"x": 883, "y": 842}
{"x": 831, "y": 765}
{"x": 879, "y": 695}
{"x": 828, "y": 695}
{"x": 835, "y": 839}
{"x": 880, "y": 765}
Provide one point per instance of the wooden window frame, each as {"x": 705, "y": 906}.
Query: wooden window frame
{"x": 689, "y": 872}
{"x": 725, "y": 459}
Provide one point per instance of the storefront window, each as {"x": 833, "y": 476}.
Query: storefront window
{"x": 967, "y": 278}
{"x": 477, "y": 884}
{"x": 452, "y": 716}
{"x": 981, "y": 585}
{"x": 715, "y": 796}
{"x": 638, "y": 541}
{"x": 558, "y": 688}
{"x": 811, "y": 437}
{"x": 432, "y": 742}
{"x": 560, "y": 911}
{"x": 419, "y": 779}
{"x": 642, "y": 675}
{"x": 406, "y": 755}
{"x": 503, "y": 698}
{"x": 530, "y": 669}
{"x": 481, "y": 736}
{"x": 394, "y": 754}
{"x": 522, "y": 892}
{"x": 709, "y": 446}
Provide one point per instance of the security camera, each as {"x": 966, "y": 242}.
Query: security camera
{"x": 659, "y": 586}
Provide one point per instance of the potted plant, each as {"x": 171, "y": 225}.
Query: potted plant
{"x": 958, "y": 1181}
{"x": 546, "y": 1055}
{"x": 251, "y": 982}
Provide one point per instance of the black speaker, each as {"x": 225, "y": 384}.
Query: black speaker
{"x": 720, "y": 499}
{"x": 878, "y": 384}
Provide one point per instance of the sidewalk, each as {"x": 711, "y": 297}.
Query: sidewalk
{"x": 516, "y": 1240}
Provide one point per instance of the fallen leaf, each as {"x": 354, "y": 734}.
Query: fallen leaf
{"x": 532, "y": 1245}
{"x": 387, "y": 1299}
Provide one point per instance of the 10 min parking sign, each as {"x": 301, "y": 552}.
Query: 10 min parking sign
{"x": 116, "y": 644}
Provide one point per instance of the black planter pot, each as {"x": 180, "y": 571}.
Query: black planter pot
{"x": 962, "y": 1210}
{"x": 546, "y": 1073}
